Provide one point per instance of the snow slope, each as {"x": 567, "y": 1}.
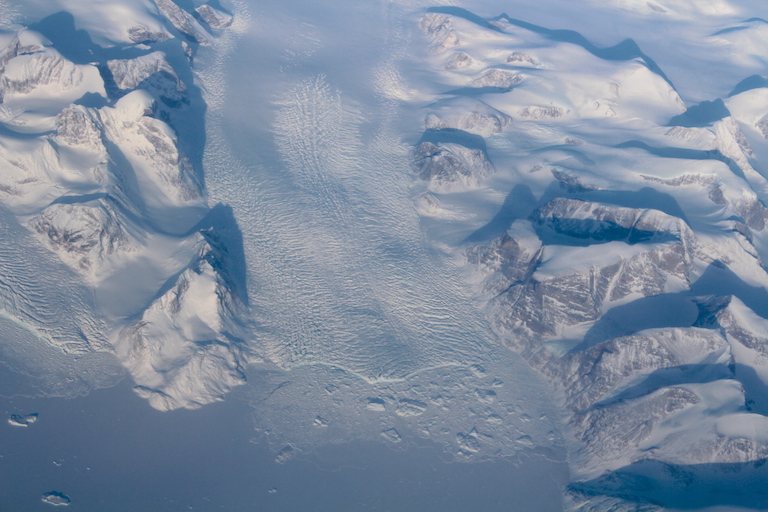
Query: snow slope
{"x": 93, "y": 168}
{"x": 631, "y": 225}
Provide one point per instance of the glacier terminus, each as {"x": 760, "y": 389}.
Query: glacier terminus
{"x": 400, "y": 255}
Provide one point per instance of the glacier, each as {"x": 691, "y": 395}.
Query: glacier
{"x": 512, "y": 232}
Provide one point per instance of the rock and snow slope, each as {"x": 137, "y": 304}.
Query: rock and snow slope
{"x": 91, "y": 166}
{"x": 626, "y": 263}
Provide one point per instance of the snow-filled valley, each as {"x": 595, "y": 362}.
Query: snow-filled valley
{"x": 529, "y": 231}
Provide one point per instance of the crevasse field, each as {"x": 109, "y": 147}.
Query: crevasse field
{"x": 391, "y": 256}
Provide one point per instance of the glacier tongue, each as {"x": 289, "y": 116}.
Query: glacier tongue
{"x": 583, "y": 222}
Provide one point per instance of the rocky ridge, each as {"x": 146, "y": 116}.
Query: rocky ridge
{"x": 106, "y": 184}
{"x": 636, "y": 288}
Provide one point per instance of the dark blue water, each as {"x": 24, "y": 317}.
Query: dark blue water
{"x": 109, "y": 451}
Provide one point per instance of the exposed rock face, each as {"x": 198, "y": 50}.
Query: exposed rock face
{"x": 448, "y": 167}
{"x": 459, "y": 61}
{"x": 763, "y": 126}
{"x": 623, "y": 391}
{"x": 615, "y": 432}
{"x": 522, "y": 58}
{"x": 710, "y": 182}
{"x": 440, "y": 30}
{"x": 152, "y": 73}
{"x": 182, "y": 20}
{"x": 24, "y": 42}
{"x": 571, "y": 182}
{"x": 214, "y": 17}
{"x": 85, "y": 235}
{"x": 542, "y": 306}
{"x": 498, "y": 78}
{"x": 539, "y": 303}
{"x": 541, "y": 113}
{"x": 32, "y": 68}
{"x": 485, "y": 124}
{"x": 79, "y": 126}
{"x": 506, "y": 261}
{"x": 597, "y": 222}
{"x": 142, "y": 34}
{"x": 592, "y": 375}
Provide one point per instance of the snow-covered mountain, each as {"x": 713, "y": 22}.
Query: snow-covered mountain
{"x": 632, "y": 239}
{"x": 92, "y": 166}
{"x": 501, "y": 232}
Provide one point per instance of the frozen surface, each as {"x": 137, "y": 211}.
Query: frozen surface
{"x": 336, "y": 256}
{"x": 522, "y": 243}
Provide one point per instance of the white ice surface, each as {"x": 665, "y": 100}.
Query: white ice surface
{"x": 348, "y": 294}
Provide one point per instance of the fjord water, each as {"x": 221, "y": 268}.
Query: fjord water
{"x": 109, "y": 451}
